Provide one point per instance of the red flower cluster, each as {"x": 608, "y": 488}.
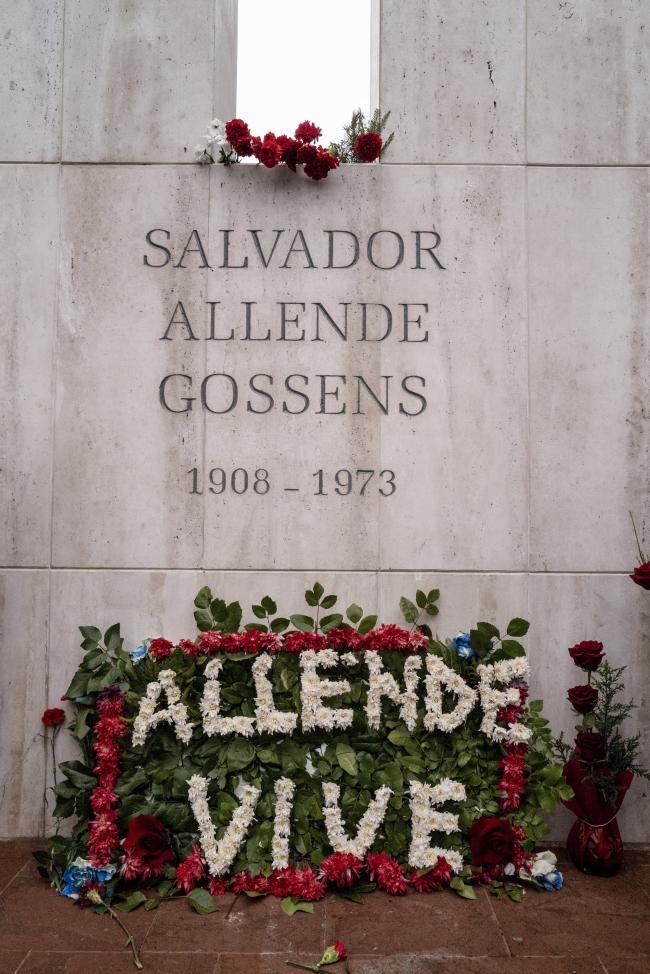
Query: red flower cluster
{"x": 512, "y": 781}
{"x": 298, "y": 642}
{"x": 110, "y": 727}
{"x": 274, "y": 149}
{"x": 191, "y": 870}
{"x": 160, "y": 648}
{"x": 367, "y": 147}
{"x": 432, "y": 880}
{"x": 53, "y": 717}
{"x": 146, "y": 848}
{"x": 386, "y": 872}
{"x": 251, "y": 641}
{"x": 344, "y": 640}
{"x": 341, "y": 868}
{"x": 393, "y": 639}
{"x": 188, "y": 647}
{"x": 210, "y": 642}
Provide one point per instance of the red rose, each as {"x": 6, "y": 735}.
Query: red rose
{"x": 53, "y": 717}
{"x": 160, "y": 648}
{"x": 367, "y": 148}
{"x": 591, "y": 747}
{"x": 146, "y": 838}
{"x": 267, "y": 150}
{"x": 587, "y": 655}
{"x": 308, "y": 132}
{"x": 491, "y": 841}
{"x": 583, "y": 698}
{"x": 239, "y": 136}
{"x": 641, "y": 575}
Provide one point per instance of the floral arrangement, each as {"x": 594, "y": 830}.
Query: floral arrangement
{"x": 301, "y": 753}
{"x": 226, "y": 143}
{"x": 602, "y": 762}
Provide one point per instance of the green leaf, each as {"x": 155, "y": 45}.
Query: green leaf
{"x": 462, "y": 889}
{"x": 79, "y": 685}
{"x": 239, "y": 754}
{"x": 81, "y": 727}
{"x": 311, "y": 598}
{"x": 203, "y": 598}
{"x": 202, "y": 902}
{"x": 302, "y": 623}
{"x": 259, "y": 611}
{"x": 112, "y": 639}
{"x": 269, "y": 605}
{"x": 330, "y": 621}
{"x": 366, "y": 624}
{"x": 515, "y": 893}
{"x": 318, "y": 590}
{"x": 518, "y": 627}
{"x": 400, "y": 736}
{"x": 203, "y": 619}
{"x": 91, "y": 632}
{"x": 552, "y": 773}
{"x": 291, "y": 905}
{"x": 279, "y": 624}
{"x": 354, "y": 613}
{"x": 346, "y": 757}
{"x": 329, "y": 601}
{"x": 131, "y": 902}
{"x": 253, "y": 894}
{"x": 512, "y": 648}
{"x": 420, "y": 599}
{"x": 491, "y": 631}
{"x": 152, "y": 904}
{"x": 408, "y": 609}
{"x": 80, "y": 776}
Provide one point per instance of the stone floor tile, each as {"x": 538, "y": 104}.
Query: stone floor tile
{"x": 573, "y": 933}
{"x": 8, "y": 869}
{"x": 630, "y": 965}
{"x": 33, "y": 916}
{"x": 423, "y": 964}
{"x": 259, "y": 925}
{"x": 116, "y": 962}
{"x": 271, "y": 963}
{"x": 414, "y": 924}
{"x": 10, "y": 960}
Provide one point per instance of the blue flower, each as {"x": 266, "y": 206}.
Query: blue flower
{"x": 462, "y": 646}
{"x": 81, "y": 872}
{"x": 551, "y": 881}
{"x": 140, "y": 651}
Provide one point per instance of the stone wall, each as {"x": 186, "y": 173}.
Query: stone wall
{"x": 521, "y": 140}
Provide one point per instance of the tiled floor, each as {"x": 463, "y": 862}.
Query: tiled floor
{"x": 594, "y": 926}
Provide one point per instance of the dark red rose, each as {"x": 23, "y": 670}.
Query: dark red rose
{"x": 53, "y": 717}
{"x": 641, "y": 575}
{"x": 146, "y": 838}
{"x": 160, "y": 648}
{"x": 308, "y": 132}
{"x": 267, "y": 150}
{"x": 591, "y": 747}
{"x": 491, "y": 841}
{"x": 239, "y": 136}
{"x": 588, "y": 654}
{"x": 583, "y": 698}
{"x": 367, "y": 148}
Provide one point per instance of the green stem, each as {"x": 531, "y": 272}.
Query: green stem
{"x": 130, "y": 941}
{"x": 52, "y": 743}
{"x": 641, "y": 555}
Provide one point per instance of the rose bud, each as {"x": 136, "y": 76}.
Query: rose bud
{"x": 583, "y": 698}
{"x": 588, "y": 654}
{"x": 641, "y": 575}
{"x": 591, "y": 747}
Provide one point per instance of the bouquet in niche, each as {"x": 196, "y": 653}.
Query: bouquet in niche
{"x": 601, "y": 764}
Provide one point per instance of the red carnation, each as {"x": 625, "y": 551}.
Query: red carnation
{"x": 298, "y": 642}
{"x": 216, "y": 886}
{"x": 641, "y": 575}
{"x": 239, "y": 136}
{"x": 319, "y": 167}
{"x": 289, "y": 151}
{"x": 210, "y": 642}
{"x": 583, "y": 698}
{"x": 587, "y": 655}
{"x": 491, "y": 841}
{"x": 267, "y": 150}
{"x": 231, "y": 642}
{"x": 341, "y": 868}
{"x": 432, "y": 880}
{"x": 243, "y": 882}
{"x": 394, "y": 639}
{"x": 345, "y": 640}
{"x": 188, "y": 647}
{"x": 367, "y": 148}
{"x": 386, "y": 872}
{"x": 160, "y": 648}
{"x": 308, "y": 132}
{"x": 53, "y": 717}
{"x": 338, "y": 945}
{"x": 146, "y": 838}
{"x": 255, "y": 641}
{"x": 191, "y": 870}
{"x": 84, "y": 902}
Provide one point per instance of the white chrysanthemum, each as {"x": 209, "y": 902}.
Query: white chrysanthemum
{"x": 268, "y": 718}
{"x": 382, "y": 684}
{"x": 504, "y": 671}
{"x": 210, "y": 706}
{"x": 219, "y": 855}
{"x": 439, "y": 675}
{"x": 368, "y": 824}
{"x": 314, "y": 690}
{"x": 175, "y": 713}
{"x": 425, "y": 819}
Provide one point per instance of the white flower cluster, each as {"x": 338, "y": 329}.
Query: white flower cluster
{"x": 284, "y": 790}
{"x": 382, "y": 684}
{"x": 215, "y": 146}
{"x": 268, "y": 718}
{"x": 425, "y": 820}
{"x": 368, "y": 824}
{"x": 213, "y": 722}
{"x": 220, "y": 855}
{"x": 175, "y": 713}
{"x": 314, "y": 690}
{"x": 492, "y": 699}
{"x": 439, "y": 675}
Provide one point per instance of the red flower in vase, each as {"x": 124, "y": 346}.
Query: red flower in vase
{"x": 583, "y": 698}
{"x": 591, "y": 747}
{"x": 588, "y": 654}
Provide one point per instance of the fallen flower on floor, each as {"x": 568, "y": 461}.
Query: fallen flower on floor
{"x": 332, "y": 955}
